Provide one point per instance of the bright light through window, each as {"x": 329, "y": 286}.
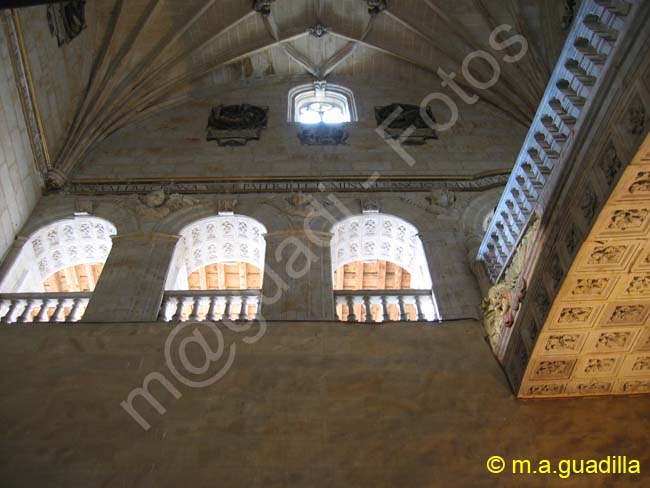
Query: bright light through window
{"x": 321, "y": 103}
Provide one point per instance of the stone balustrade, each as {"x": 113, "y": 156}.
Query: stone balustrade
{"x": 42, "y": 307}
{"x": 210, "y": 305}
{"x": 595, "y": 34}
{"x": 373, "y": 306}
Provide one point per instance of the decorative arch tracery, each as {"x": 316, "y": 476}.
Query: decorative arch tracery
{"x": 79, "y": 240}
{"x": 219, "y": 239}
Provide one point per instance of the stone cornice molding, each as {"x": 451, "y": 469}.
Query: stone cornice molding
{"x": 282, "y": 184}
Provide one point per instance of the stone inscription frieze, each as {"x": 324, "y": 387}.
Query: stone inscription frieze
{"x": 288, "y": 185}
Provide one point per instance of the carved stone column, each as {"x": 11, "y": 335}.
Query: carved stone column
{"x": 298, "y": 277}
{"x": 132, "y": 284}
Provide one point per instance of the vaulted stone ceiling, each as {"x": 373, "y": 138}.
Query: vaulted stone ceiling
{"x": 152, "y": 54}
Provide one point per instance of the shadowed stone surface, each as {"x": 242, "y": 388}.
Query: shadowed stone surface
{"x": 308, "y": 405}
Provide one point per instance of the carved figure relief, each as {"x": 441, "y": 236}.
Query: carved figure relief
{"x": 557, "y": 368}
{"x": 642, "y": 364}
{"x": 576, "y": 314}
{"x": 503, "y": 300}
{"x": 563, "y": 342}
{"x": 627, "y": 313}
{"x": 594, "y": 387}
{"x": 613, "y": 340}
{"x": 641, "y": 183}
{"x": 628, "y": 219}
{"x": 606, "y": 255}
{"x": 235, "y": 125}
{"x": 157, "y": 204}
{"x": 322, "y": 134}
{"x": 555, "y": 389}
{"x": 590, "y": 286}
{"x": 600, "y": 365}
{"x": 402, "y": 117}
{"x": 636, "y": 386}
{"x": 66, "y": 20}
{"x": 640, "y": 285}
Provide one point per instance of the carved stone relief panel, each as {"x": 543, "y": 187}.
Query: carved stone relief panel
{"x": 553, "y": 369}
{"x": 235, "y": 125}
{"x": 405, "y": 122}
{"x": 593, "y": 387}
{"x": 590, "y": 366}
{"x": 600, "y": 319}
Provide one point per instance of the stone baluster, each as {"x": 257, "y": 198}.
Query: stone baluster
{"x": 368, "y": 307}
{"x": 212, "y": 308}
{"x": 165, "y": 308}
{"x": 524, "y": 205}
{"x": 514, "y": 214}
{"x": 45, "y": 307}
{"x": 509, "y": 225}
{"x": 502, "y": 256}
{"x": 553, "y": 130}
{"x": 13, "y": 311}
{"x": 507, "y": 239}
{"x": 565, "y": 88}
{"x": 403, "y": 316}
{"x": 525, "y": 189}
{"x": 545, "y": 146}
{"x": 566, "y": 118}
{"x": 59, "y": 311}
{"x": 78, "y": 307}
{"x": 419, "y": 304}
{"x": 593, "y": 23}
{"x": 227, "y": 315}
{"x": 573, "y": 66}
{"x": 31, "y": 305}
{"x": 180, "y": 304}
{"x": 243, "y": 312}
{"x": 384, "y": 308}
{"x": 585, "y": 47}
{"x": 196, "y": 305}
{"x": 543, "y": 167}
{"x": 351, "y": 316}
{"x": 618, "y": 7}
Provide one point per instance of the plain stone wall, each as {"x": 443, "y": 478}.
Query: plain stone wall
{"x": 173, "y": 143}
{"x": 308, "y": 405}
{"x": 20, "y": 181}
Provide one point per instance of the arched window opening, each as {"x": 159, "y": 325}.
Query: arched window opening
{"x": 321, "y": 103}
{"x": 216, "y": 271}
{"x": 56, "y": 271}
{"x": 380, "y": 271}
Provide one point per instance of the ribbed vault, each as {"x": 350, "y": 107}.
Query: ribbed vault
{"x": 152, "y": 54}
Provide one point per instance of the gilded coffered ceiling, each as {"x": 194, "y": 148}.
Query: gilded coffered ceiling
{"x": 596, "y": 339}
{"x": 149, "y": 55}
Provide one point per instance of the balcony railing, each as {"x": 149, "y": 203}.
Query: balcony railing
{"x": 42, "y": 307}
{"x": 210, "y": 305}
{"x": 372, "y": 306}
{"x": 577, "y": 77}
